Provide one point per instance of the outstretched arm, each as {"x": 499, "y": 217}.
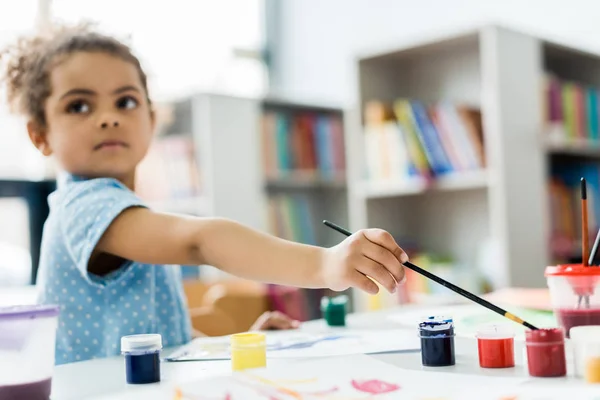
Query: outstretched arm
{"x": 145, "y": 236}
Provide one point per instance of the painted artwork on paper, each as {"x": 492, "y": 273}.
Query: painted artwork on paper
{"x": 355, "y": 377}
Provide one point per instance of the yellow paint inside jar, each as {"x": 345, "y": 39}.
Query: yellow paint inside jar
{"x": 248, "y": 350}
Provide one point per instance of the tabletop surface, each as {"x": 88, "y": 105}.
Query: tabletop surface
{"x": 104, "y": 379}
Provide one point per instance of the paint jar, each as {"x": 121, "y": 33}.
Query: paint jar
{"x": 27, "y": 343}
{"x": 248, "y": 350}
{"x": 437, "y": 341}
{"x": 142, "y": 357}
{"x": 334, "y": 310}
{"x": 496, "y": 346}
{"x": 546, "y": 352}
{"x": 586, "y": 352}
{"x": 575, "y": 295}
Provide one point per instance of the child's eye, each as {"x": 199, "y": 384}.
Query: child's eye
{"x": 78, "y": 107}
{"x": 127, "y": 103}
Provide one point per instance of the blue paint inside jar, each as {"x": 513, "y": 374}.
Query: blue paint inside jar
{"x": 143, "y": 368}
{"x": 142, "y": 357}
{"x": 437, "y": 342}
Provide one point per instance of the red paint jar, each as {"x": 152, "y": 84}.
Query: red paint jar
{"x": 546, "y": 352}
{"x": 496, "y": 347}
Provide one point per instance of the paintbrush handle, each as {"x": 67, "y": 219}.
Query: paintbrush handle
{"x": 594, "y": 251}
{"x": 467, "y": 294}
{"x": 585, "y": 249}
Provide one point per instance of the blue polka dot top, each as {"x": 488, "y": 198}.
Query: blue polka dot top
{"x": 96, "y": 311}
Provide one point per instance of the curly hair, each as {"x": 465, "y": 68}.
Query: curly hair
{"x": 25, "y": 66}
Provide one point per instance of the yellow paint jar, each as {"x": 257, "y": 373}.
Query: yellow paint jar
{"x": 248, "y": 350}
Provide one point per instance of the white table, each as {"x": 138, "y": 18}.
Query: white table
{"x": 105, "y": 379}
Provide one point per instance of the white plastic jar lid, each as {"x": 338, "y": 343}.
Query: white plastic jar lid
{"x": 495, "y": 331}
{"x": 141, "y": 343}
{"x": 585, "y": 333}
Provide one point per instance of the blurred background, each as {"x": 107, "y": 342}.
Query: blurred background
{"x": 461, "y": 126}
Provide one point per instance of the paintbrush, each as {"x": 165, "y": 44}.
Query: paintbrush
{"x": 449, "y": 285}
{"x": 585, "y": 251}
{"x": 592, "y": 259}
{"x": 585, "y": 246}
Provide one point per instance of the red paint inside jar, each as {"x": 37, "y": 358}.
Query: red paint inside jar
{"x": 569, "y": 318}
{"x": 546, "y": 352}
{"x": 496, "y": 353}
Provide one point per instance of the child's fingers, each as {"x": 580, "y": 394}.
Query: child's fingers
{"x": 385, "y": 239}
{"x": 384, "y": 257}
{"x": 275, "y": 320}
{"x": 361, "y": 281}
{"x": 378, "y": 272}
{"x": 279, "y": 320}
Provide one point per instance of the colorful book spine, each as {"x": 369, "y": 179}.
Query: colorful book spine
{"x": 421, "y": 140}
{"x": 305, "y": 142}
{"x": 290, "y": 218}
{"x": 572, "y": 107}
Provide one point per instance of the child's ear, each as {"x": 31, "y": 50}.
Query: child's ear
{"x": 38, "y": 137}
{"x": 153, "y": 120}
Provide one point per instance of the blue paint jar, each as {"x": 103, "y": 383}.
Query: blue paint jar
{"x": 142, "y": 358}
{"x": 437, "y": 341}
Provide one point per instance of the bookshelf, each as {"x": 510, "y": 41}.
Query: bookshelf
{"x": 304, "y": 169}
{"x": 257, "y": 161}
{"x": 495, "y": 225}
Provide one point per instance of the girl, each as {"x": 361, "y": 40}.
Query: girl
{"x": 107, "y": 258}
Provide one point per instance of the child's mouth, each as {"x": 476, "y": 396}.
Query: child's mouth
{"x": 111, "y": 144}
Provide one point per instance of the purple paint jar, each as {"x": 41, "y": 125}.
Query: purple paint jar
{"x": 27, "y": 343}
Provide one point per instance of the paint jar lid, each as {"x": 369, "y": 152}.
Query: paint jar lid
{"x": 141, "y": 343}
{"x": 28, "y": 311}
{"x": 248, "y": 339}
{"x": 494, "y": 331}
{"x": 571, "y": 270}
{"x": 586, "y": 333}
{"x": 436, "y": 326}
{"x": 545, "y": 336}
{"x": 337, "y": 302}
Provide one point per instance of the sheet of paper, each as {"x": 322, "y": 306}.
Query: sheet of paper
{"x": 346, "y": 377}
{"x": 301, "y": 344}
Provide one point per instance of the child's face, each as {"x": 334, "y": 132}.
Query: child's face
{"x": 98, "y": 120}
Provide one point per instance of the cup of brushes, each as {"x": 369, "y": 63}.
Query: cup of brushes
{"x": 574, "y": 288}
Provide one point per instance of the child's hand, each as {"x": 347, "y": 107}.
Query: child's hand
{"x": 274, "y": 320}
{"x": 368, "y": 252}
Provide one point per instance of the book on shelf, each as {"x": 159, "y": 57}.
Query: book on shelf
{"x": 305, "y": 142}
{"x": 410, "y": 139}
{"x": 565, "y": 208}
{"x": 570, "y": 109}
{"x": 169, "y": 171}
{"x": 290, "y": 217}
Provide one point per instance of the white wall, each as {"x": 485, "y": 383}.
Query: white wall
{"x": 317, "y": 39}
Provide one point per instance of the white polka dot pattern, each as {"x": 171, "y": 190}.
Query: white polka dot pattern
{"x": 97, "y": 311}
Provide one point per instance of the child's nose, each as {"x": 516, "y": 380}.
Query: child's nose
{"x": 105, "y": 124}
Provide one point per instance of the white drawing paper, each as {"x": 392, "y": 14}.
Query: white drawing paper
{"x": 301, "y": 344}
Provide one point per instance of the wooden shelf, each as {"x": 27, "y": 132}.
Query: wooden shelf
{"x": 193, "y": 206}
{"x": 459, "y": 181}
{"x": 576, "y": 147}
{"x": 305, "y": 181}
